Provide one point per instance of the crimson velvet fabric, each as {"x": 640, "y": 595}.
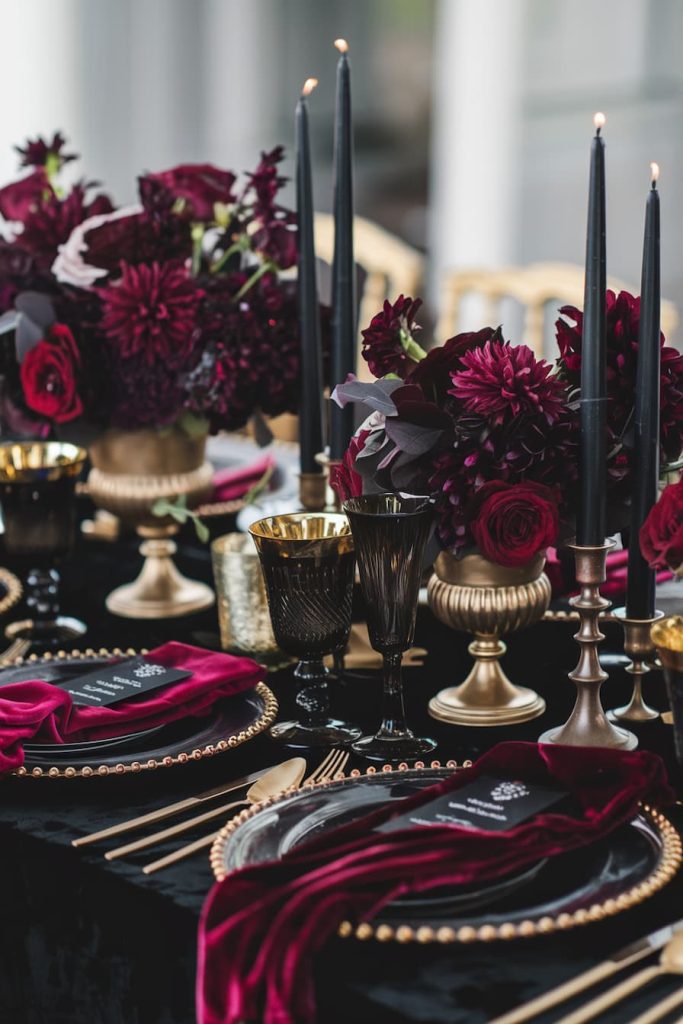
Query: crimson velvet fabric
{"x": 38, "y": 710}
{"x": 233, "y": 483}
{"x": 261, "y": 926}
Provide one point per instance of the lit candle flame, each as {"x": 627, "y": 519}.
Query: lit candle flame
{"x": 341, "y": 45}
{"x": 599, "y": 121}
{"x": 309, "y": 86}
{"x": 654, "y": 173}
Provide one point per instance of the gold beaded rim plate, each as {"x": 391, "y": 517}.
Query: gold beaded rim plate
{"x": 668, "y": 863}
{"x": 13, "y": 590}
{"x": 139, "y": 766}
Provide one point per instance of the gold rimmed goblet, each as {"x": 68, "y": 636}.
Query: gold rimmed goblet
{"x": 308, "y": 565}
{"x": 37, "y": 492}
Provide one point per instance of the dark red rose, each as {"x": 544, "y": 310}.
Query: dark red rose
{"x": 344, "y": 480}
{"x": 661, "y": 535}
{"x": 276, "y": 241}
{"x": 49, "y": 376}
{"x": 433, "y": 373}
{"x": 20, "y": 198}
{"x": 201, "y": 185}
{"x": 512, "y": 523}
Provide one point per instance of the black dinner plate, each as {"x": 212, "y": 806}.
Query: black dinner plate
{"x": 228, "y": 718}
{"x": 561, "y": 884}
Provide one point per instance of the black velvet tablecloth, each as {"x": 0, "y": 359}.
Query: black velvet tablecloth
{"x": 86, "y": 941}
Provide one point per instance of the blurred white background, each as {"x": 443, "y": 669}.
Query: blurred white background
{"x": 473, "y": 118}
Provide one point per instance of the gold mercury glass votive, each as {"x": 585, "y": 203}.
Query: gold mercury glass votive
{"x": 667, "y": 637}
{"x": 243, "y": 613}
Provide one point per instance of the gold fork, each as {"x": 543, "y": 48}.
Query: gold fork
{"x": 331, "y": 766}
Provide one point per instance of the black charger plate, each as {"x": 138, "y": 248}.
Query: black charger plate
{"x": 576, "y": 888}
{"x": 231, "y": 722}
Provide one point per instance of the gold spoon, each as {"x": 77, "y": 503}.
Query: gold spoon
{"x": 670, "y": 962}
{"x": 282, "y": 776}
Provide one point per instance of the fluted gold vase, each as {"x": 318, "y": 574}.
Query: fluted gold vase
{"x": 132, "y": 469}
{"x": 477, "y": 596}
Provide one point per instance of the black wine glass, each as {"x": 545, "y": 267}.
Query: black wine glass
{"x": 37, "y": 493}
{"x": 390, "y": 532}
{"x": 308, "y": 565}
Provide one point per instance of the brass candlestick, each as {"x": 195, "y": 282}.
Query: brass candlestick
{"x": 587, "y": 726}
{"x": 312, "y": 491}
{"x": 639, "y": 647}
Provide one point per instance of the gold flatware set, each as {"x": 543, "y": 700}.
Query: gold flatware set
{"x": 668, "y": 939}
{"x": 262, "y": 784}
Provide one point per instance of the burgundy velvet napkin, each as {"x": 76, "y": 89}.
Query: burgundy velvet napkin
{"x": 261, "y": 926}
{"x": 35, "y": 709}
{"x": 232, "y": 483}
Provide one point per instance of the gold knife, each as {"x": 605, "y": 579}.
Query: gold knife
{"x": 166, "y": 812}
{"x": 631, "y": 954}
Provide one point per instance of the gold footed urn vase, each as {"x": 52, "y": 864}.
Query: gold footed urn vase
{"x": 476, "y": 596}
{"x": 131, "y": 470}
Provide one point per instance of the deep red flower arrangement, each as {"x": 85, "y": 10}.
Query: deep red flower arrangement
{"x": 492, "y": 431}
{"x": 173, "y": 310}
{"x": 661, "y": 535}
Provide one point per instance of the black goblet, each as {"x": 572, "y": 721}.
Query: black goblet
{"x": 390, "y": 532}
{"x": 37, "y": 492}
{"x": 308, "y": 565}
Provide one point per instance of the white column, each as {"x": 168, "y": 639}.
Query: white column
{"x": 38, "y": 75}
{"x": 474, "y": 199}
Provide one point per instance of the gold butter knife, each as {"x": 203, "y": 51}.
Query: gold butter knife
{"x": 630, "y": 954}
{"x": 168, "y": 811}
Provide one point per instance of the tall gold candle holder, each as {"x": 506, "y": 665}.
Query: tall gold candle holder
{"x": 640, "y": 649}
{"x": 588, "y": 726}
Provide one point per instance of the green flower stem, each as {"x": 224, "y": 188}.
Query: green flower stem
{"x": 197, "y": 238}
{"x": 241, "y": 245}
{"x": 265, "y": 268}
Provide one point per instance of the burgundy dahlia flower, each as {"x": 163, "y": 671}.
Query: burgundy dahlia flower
{"x": 502, "y": 381}
{"x": 388, "y": 339}
{"x": 151, "y": 311}
{"x": 433, "y": 373}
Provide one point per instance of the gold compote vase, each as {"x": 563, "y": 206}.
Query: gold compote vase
{"x": 477, "y": 596}
{"x": 131, "y": 470}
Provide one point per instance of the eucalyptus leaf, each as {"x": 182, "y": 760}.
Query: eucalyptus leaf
{"x": 178, "y": 511}
{"x": 194, "y": 426}
{"x": 375, "y": 395}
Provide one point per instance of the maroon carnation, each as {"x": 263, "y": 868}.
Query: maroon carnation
{"x": 513, "y": 523}
{"x": 344, "y": 480}
{"x": 389, "y": 335}
{"x": 49, "y": 376}
{"x": 502, "y": 381}
{"x": 661, "y": 535}
{"x": 200, "y": 185}
{"x": 151, "y": 312}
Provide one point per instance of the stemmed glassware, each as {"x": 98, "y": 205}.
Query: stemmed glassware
{"x": 390, "y": 532}
{"x": 308, "y": 564}
{"x": 37, "y": 493}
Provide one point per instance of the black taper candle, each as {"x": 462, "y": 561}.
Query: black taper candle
{"x": 311, "y": 404}
{"x": 593, "y": 411}
{"x": 640, "y": 594}
{"x": 344, "y": 324}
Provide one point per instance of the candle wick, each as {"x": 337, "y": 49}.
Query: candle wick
{"x": 598, "y": 130}
{"x": 654, "y": 184}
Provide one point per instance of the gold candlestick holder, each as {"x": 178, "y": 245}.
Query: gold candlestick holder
{"x": 588, "y": 726}
{"x": 313, "y": 491}
{"x": 639, "y": 647}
